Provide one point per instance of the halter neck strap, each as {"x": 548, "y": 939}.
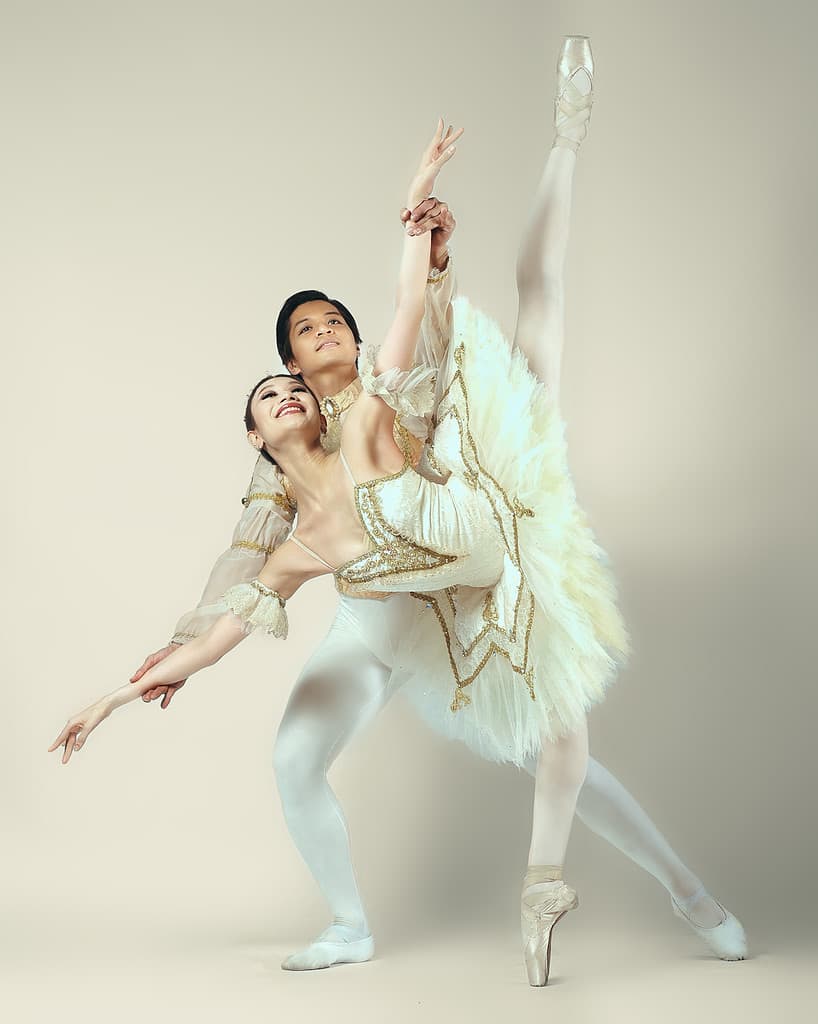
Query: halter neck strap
{"x": 309, "y": 551}
{"x": 346, "y": 467}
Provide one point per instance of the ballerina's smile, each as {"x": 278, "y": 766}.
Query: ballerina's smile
{"x": 290, "y": 407}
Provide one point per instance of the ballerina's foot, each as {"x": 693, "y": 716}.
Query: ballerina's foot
{"x": 574, "y": 96}
{"x": 713, "y": 923}
{"x": 338, "y": 944}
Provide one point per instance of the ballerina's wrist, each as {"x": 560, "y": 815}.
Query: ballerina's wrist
{"x": 415, "y": 197}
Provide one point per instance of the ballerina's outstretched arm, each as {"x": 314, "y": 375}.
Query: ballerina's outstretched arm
{"x": 247, "y": 606}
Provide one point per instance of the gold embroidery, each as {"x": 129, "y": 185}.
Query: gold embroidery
{"x": 520, "y": 509}
{"x": 477, "y": 476}
{"x": 461, "y": 699}
{"x": 436, "y": 275}
{"x": 262, "y": 588}
{"x": 489, "y": 611}
{"x": 275, "y": 496}
{"x": 251, "y": 545}
{"x": 392, "y": 553}
{"x": 430, "y": 455}
{"x": 350, "y": 590}
{"x": 432, "y": 602}
{"x": 410, "y": 445}
{"x": 332, "y": 406}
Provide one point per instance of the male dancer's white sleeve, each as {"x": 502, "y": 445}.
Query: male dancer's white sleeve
{"x": 436, "y": 327}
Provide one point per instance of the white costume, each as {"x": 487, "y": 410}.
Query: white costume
{"x": 512, "y": 591}
{"x": 349, "y": 675}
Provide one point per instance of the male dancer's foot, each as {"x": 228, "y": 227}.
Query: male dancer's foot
{"x": 712, "y": 922}
{"x": 338, "y": 944}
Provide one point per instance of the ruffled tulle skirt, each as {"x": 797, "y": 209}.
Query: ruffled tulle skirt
{"x": 548, "y": 638}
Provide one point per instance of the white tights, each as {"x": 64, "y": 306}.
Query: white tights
{"x": 341, "y": 689}
{"x": 345, "y": 682}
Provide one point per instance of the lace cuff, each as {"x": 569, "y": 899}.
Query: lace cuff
{"x": 435, "y": 275}
{"x": 411, "y": 393}
{"x": 257, "y": 605}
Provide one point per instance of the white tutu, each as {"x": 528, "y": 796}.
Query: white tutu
{"x": 516, "y": 631}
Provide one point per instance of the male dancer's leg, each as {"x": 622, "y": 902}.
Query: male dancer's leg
{"x": 340, "y": 689}
{"x": 603, "y": 804}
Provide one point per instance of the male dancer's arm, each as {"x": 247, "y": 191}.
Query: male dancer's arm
{"x": 436, "y": 325}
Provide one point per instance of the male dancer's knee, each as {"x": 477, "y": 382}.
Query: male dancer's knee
{"x": 299, "y": 767}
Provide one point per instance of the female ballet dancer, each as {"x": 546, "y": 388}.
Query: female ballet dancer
{"x": 292, "y": 408}
{"x": 604, "y": 804}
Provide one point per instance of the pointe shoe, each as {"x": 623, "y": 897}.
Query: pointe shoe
{"x": 331, "y": 948}
{"x": 540, "y": 909}
{"x": 726, "y": 939}
{"x": 575, "y": 94}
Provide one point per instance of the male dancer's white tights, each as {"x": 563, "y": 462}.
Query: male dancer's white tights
{"x": 340, "y": 690}
{"x": 345, "y": 683}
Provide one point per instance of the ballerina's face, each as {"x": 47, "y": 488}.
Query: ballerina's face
{"x": 281, "y": 408}
{"x": 320, "y": 339}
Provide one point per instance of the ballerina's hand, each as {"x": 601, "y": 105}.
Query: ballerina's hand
{"x": 78, "y": 727}
{"x": 439, "y": 150}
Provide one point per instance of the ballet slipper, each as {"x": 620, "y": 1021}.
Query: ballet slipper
{"x": 338, "y": 944}
{"x": 726, "y": 939}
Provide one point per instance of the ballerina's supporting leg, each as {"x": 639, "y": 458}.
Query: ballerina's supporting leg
{"x": 608, "y": 809}
{"x": 545, "y": 898}
{"x": 340, "y": 689}
{"x": 561, "y": 768}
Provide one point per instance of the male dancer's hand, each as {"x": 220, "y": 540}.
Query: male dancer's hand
{"x": 432, "y": 215}
{"x": 167, "y": 690}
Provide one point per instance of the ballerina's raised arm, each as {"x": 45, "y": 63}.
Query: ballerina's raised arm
{"x": 398, "y": 347}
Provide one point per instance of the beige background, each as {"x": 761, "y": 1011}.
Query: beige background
{"x": 171, "y": 172}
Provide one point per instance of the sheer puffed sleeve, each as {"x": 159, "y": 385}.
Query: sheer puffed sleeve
{"x": 258, "y": 606}
{"x": 264, "y": 524}
{"x": 411, "y": 393}
{"x": 436, "y": 326}
{"x": 412, "y": 431}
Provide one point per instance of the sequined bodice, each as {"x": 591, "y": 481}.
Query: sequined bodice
{"x": 423, "y": 534}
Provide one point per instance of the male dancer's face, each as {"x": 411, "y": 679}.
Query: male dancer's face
{"x": 320, "y": 339}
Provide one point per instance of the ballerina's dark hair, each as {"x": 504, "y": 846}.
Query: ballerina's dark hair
{"x": 250, "y": 423}
{"x": 285, "y": 350}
